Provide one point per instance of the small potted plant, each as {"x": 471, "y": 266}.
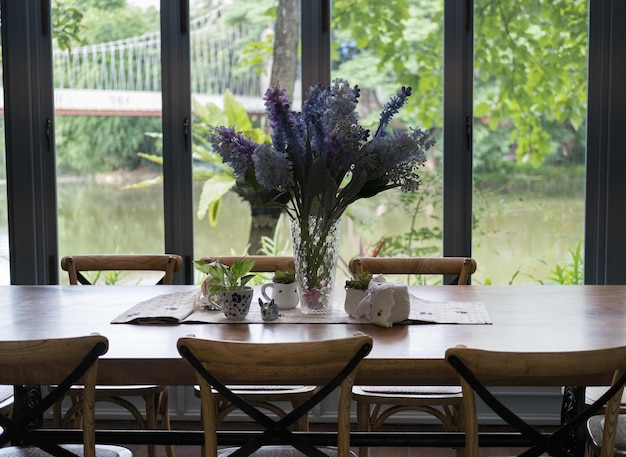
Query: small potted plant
{"x": 356, "y": 290}
{"x": 284, "y": 289}
{"x": 225, "y": 286}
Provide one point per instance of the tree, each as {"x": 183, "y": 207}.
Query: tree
{"x": 530, "y": 63}
{"x": 287, "y": 38}
{"x": 284, "y": 72}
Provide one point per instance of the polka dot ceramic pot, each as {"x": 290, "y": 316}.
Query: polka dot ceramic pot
{"x": 235, "y": 304}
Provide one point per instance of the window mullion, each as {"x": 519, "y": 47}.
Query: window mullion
{"x": 605, "y": 188}
{"x": 315, "y": 43}
{"x": 29, "y": 116}
{"x": 177, "y": 144}
{"x": 457, "y": 131}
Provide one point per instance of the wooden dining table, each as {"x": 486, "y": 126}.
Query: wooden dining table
{"x": 524, "y": 318}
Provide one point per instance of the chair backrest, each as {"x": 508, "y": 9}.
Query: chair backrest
{"x": 461, "y": 267}
{"x": 75, "y": 264}
{"x": 59, "y": 362}
{"x": 262, "y": 263}
{"x": 328, "y": 364}
{"x": 478, "y": 368}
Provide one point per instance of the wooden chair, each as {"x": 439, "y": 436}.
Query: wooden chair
{"x": 6, "y": 400}
{"x": 595, "y": 425}
{"x": 460, "y": 267}
{"x": 478, "y": 368}
{"x": 264, "y": 396}
{"x": 76, "y": 264}
{"x": 328, "y": 363}
{"x": 375, "y": 404}
{"x": 59, "y": 362}
{"x": 156, "y": 398}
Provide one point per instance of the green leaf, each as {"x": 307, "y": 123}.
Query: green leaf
{"x": 214, "y": 211}
{"x": 213, "y": 189}
{"x": 236, "y": 113}
{"x": 151, "y": 157}
{"x": 209, "y": 114}
{"x": 481, "y": 109}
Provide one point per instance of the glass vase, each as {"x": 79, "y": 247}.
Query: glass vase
{"x": 315, "y": 250}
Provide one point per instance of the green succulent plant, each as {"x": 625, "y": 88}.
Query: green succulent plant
{"x": 359, "y": 281}
{"x": 222, "y": 277}
{"x": 284, "y": 276}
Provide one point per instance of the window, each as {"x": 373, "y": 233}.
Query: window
{"x": 530, "y": 100}
{"x": 381, "y": 47}
{"x": 108, "y": 129}
{"x": 232, "y": 62}
{"x": 31, "y": 165}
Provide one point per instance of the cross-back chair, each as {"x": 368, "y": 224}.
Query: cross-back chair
{"x": 595, "y": 425}
{"x": 155, "y": 398}
{"x": 75, "y": 265}
{"x": 60, "y": 362}
{"x": 376, "y": 404}
{"x": 459, "y": 267}
{"x": 265, "y": 396}
{"x": 479, "y": 368}
{"x": 6, "y": 400}
{"x": 328, "y": 363}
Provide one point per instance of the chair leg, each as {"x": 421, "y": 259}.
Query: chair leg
{"x": 303, "y": 423}
{"x": 57, "y": 414}
{"x": 363, "y": 422}
{"x": 151, "y": 419}
{"x": 459, "y": 426}
{"x": 164, "y": 412}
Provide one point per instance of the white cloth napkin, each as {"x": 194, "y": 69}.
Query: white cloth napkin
{"x": 385, "y": 303}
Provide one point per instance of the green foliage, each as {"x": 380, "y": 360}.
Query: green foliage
{"x": 112, "y": 277}
{"x": 111, "y": 144}
{"x": 109, "y": 278}
{"x": 530, "y": 72}
{"x": 422, "y": 238}
{"x": 66, "y": 24}
{"x": 105, "y": 20}
{"x": 531, "y": 69}
{"x": 218, "y": 177}
{"x": 570, "y": 273}
{"x": 222, "y": 277}
{"x": 276, "y": 245}
{"x": 359, "y": 281}
{"x": 284, "y": 276}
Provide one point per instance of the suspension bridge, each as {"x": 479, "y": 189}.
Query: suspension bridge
{"x": 123, "y": 77}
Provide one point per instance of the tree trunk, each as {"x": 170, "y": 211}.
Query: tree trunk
{"x": 286, "y": 39}
{"x": 263, "y": 223}
{"x": 284, "y": 72}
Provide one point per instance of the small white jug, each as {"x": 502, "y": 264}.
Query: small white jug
{"x": 284, "y": 295}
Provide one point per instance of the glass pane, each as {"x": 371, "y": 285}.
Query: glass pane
{"x": 108, "y": 125}
{"x": 232, "y": 50}
{"x": 530, "y": 97}
{"x": 381, "y": 47}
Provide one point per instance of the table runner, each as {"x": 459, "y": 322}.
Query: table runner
{"x": 187, "y": 308}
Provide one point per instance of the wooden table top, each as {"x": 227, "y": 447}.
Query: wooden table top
{"x": 525, "y": 318}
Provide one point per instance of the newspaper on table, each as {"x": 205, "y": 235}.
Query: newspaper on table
{"x": 451, "y": 312}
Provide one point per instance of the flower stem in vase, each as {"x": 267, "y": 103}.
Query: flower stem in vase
{"x": 316, "y": 248}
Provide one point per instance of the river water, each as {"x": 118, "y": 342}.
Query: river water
{"x": 516, "y": 237}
